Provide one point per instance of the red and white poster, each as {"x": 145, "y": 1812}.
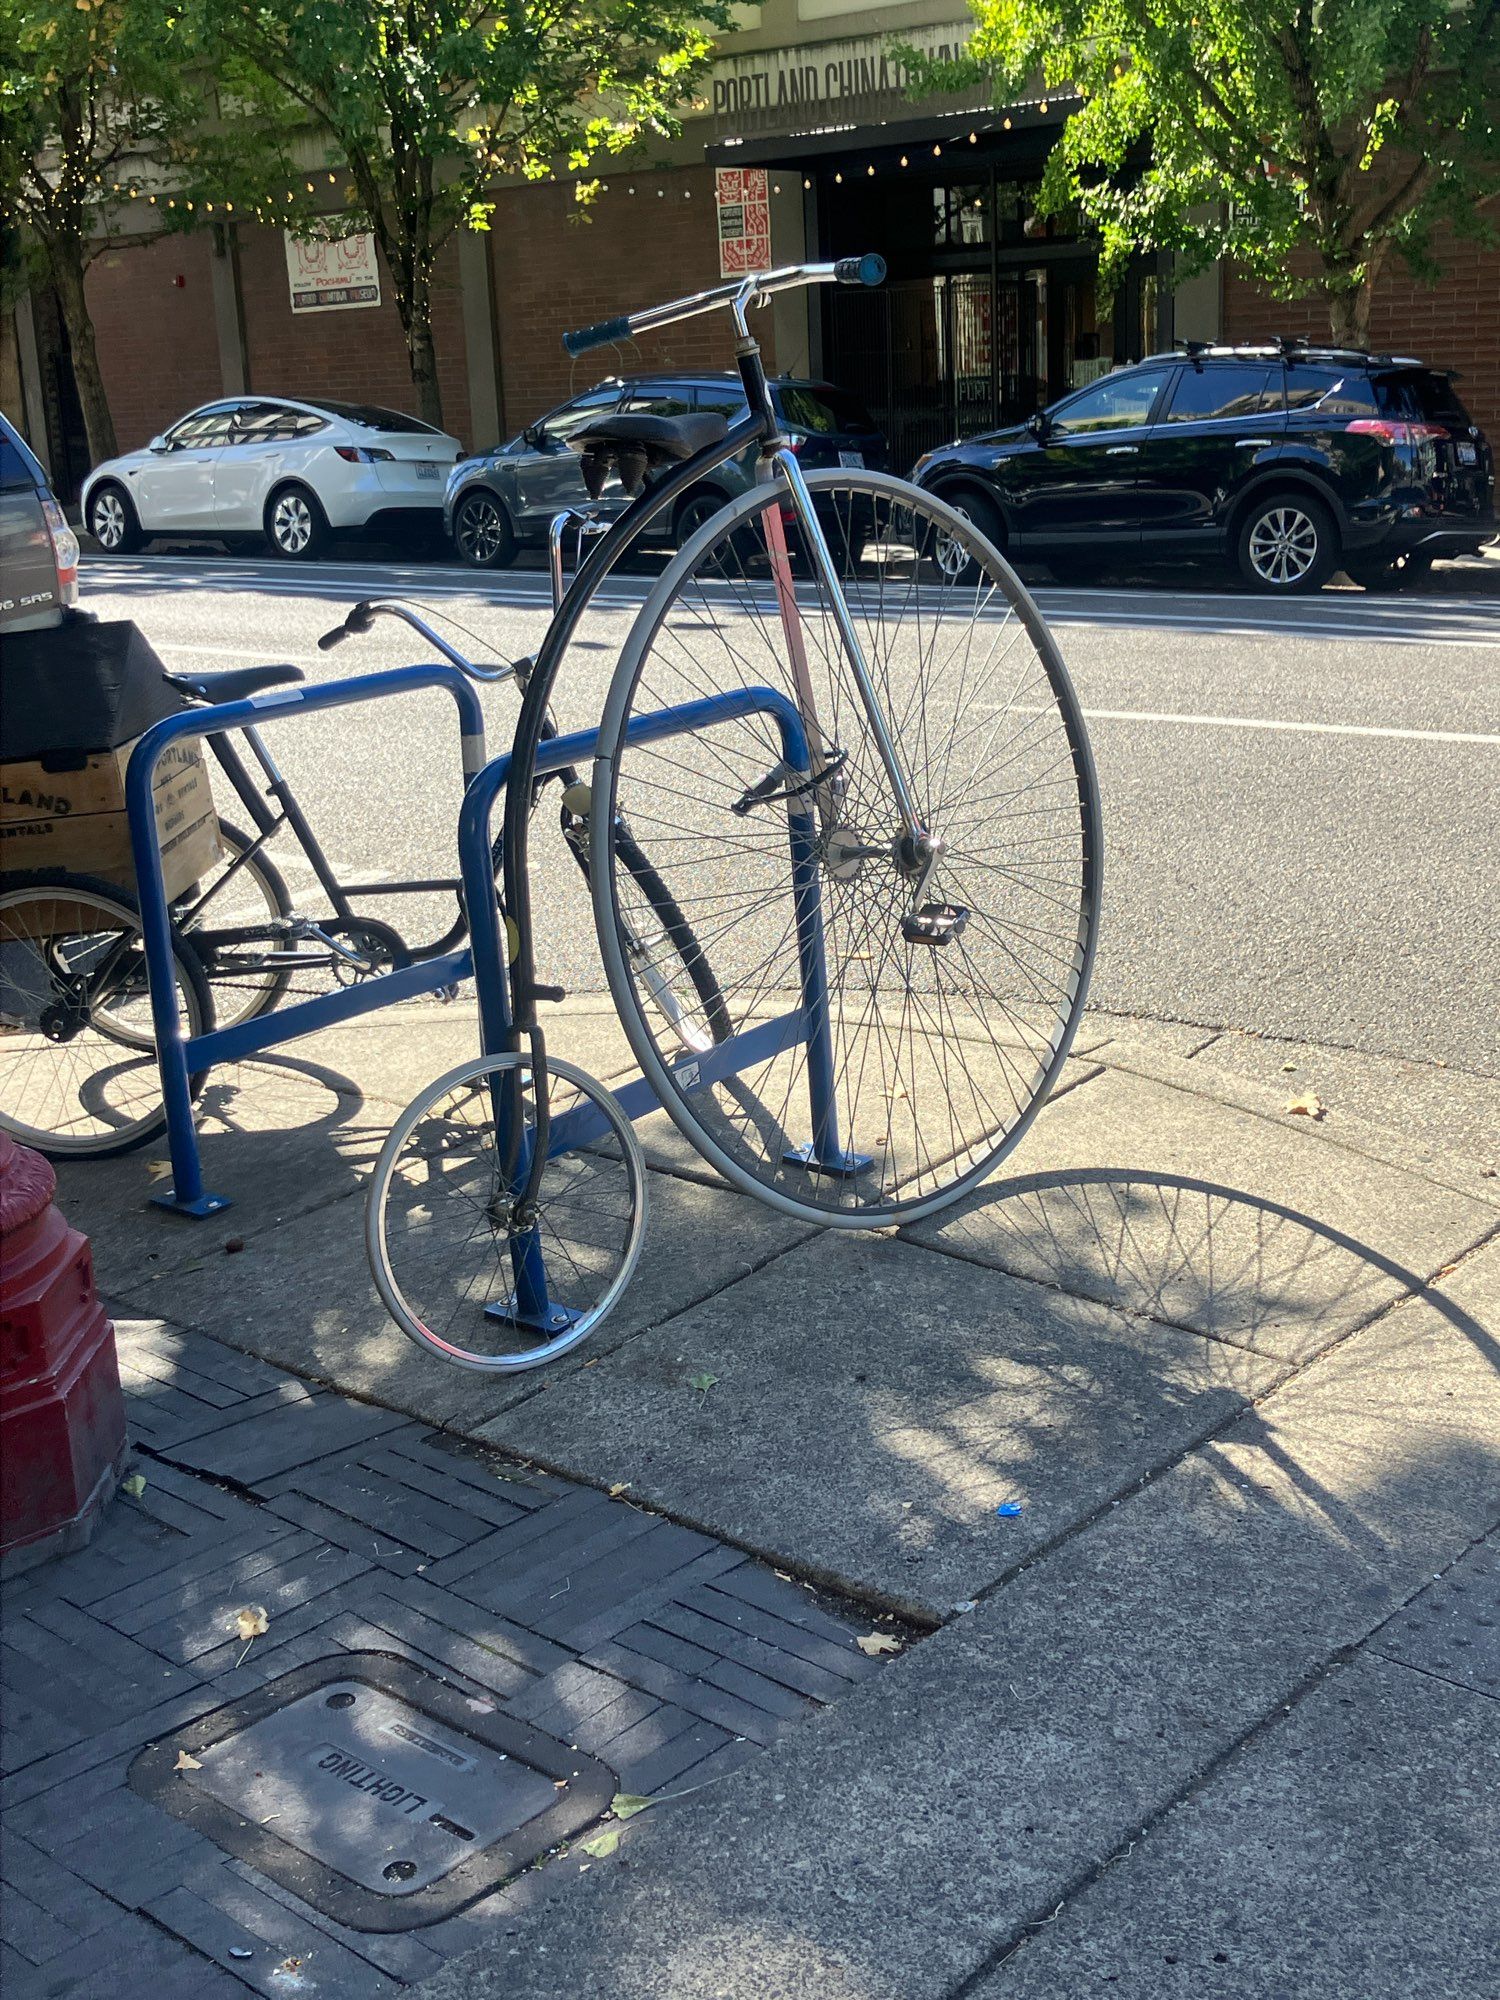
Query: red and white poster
{"x": 744, "y": 199}
{"x": 329, "y": 274}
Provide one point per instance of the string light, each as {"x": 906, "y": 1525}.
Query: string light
{"x": 839, "y": 179}
{"x": 1043, "y": 106}
{"x": 973, "y": 138}
{"x": 937, "y": 152}
{"x": 807, "y": 184}
{"x": 904, "y": 161}
{"x": 870, "y": 171}
{"x": 1007, "y": 124}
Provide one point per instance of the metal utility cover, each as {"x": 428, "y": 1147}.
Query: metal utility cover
{"x": 374, "y": 1791}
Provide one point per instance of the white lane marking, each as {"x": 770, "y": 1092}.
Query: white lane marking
{"x": 1276, "y": 724}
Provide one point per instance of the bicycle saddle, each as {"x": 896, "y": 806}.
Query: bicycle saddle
{"x": 635, "y": 443}
{"x": 235, "y": 683}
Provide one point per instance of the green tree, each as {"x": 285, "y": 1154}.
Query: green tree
{"x": 93, "y": 94}
{"x": 1304, "y": 139}
{"x": 426, "y": 103}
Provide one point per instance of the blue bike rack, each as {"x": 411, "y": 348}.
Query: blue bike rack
{"x": 180, "y": 1055}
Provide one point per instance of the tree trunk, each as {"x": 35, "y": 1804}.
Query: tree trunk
{"x": 66, "y": 269}
{"x": 424, "y": 365}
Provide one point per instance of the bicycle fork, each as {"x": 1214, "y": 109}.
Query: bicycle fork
{"x": 916, "y": 850}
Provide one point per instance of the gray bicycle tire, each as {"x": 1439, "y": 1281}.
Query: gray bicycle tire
{"x": 661, "y": 1075}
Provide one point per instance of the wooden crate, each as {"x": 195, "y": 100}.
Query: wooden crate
{"x": 76, "y": 819}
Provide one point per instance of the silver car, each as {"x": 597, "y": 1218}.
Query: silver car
{"x": 499, "y": 502}
{"x": 38, "y": 550}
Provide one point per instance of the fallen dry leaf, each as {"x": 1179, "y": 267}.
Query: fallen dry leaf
{"x": 620, "y": 1486}
{"x": 158, "y": 1169}
{"x": 875, "y": 1643}
{"x": 602, "y": 1843}
{"x": 187, "y": 1762}
{"x": 625, "y": 1805}
{"x": 252, "y": 1621}
{"x": 1308, "y": 1105}
{"x": 135, "y": 1485}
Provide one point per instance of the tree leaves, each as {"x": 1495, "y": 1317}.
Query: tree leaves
{"x": 1305, "y": 142}
{"x": 1308, "y": 1105}
{"x": 251, "y": 1622}
{"x": 876, "y": 1643}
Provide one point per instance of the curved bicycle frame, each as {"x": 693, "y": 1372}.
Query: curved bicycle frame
{"x": 606, "y": 553}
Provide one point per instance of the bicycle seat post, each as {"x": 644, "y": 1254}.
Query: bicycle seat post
{"x": 588, "y": 523}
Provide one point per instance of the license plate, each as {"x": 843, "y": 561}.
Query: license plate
{"x": 851, "y": 458}
{"x": 1468, "y": 454}
{"x": 426, "y": 469}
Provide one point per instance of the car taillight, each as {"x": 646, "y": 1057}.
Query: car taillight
{"x": 362, "y": 454}
{"x": 64, "y": 549}
{"x": 1395, "y": 433}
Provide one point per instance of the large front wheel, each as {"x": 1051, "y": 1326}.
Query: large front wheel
{"x": 911, "y": 999}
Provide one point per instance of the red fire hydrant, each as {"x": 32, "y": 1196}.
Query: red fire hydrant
{"x": 62, "y": 1417}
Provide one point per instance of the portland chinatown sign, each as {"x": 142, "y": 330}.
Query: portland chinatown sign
{"x": 826, "y": 85}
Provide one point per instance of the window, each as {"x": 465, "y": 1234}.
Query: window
{"x": 268, "y": 423}
{"x": 659, "y": 402}
{"x": 205, "y": 430}
{"x": 1425, "y": 395}
{"x": 1111, "y": 405}
{"x": 560, "y": 426}
{"x": 822, "y": 410}
{"x": 960, "y": 216}
{"x": 1329, "y": 392}
{"x": 370, "y": 417}
{"x": 723, "y": 399}
{"x": 1203, "y": 394}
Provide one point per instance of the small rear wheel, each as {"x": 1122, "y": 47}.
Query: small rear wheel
{"x": 78, "y": 1076}
{"x": 469, "y": 1268}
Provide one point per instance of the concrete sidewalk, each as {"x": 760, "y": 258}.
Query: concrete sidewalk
{"x": 1198, "y": 1718}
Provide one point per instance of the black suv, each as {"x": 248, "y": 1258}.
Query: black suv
{"x": 1293, "y": 460}
{"x": 501, "y": 500}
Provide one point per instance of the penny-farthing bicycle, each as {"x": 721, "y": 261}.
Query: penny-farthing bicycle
{"x": 865, "y": 786}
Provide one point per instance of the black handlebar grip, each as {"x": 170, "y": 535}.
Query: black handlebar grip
{"x": 866, "y": 270}
{"x": 334, "y": 638}
{"x": 602, "y": 334}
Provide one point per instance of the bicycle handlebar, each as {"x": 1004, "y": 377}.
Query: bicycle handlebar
{"x": 866, "y": 270}
{"x": 364, "y": 614}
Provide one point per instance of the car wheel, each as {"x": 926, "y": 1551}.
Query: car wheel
{"x": 482, "y": 532}
{"x": 1401, "y": 573}
{"x": 296, "y": 526}
{"x": 1287, "y": 544}
{"x": 947, "y": 555}
{"x": 692, "y": 513}
{"x": 113, "y": 521}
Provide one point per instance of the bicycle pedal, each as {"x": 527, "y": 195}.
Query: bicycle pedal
{"x": 550, "y": 992}
{"x": 935, "y": 924}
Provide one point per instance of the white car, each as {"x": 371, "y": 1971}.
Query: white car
{"x": 292, "y": 472}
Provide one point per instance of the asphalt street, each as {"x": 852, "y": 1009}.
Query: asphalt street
{"x": 1299, "y": 799}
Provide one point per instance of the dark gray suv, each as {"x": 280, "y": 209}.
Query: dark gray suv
{"x": 501, "y": 501}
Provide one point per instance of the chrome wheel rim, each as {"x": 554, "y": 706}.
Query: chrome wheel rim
{"x": 291, "y": 524}
{"x": 1283, "y": 546}
{"x": 481, "y": 531}
{"x": 109, "y": 521}
{"x": 950, "y": 554}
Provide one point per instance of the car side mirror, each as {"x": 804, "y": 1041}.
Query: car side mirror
{"x": 534, "y": 437}
{"x": 1039, "y": 424}
{"x": 158, "y": 444}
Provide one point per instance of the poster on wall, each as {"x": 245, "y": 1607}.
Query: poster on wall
{"x": 744, "y": 201}
{"x": 330, "y": 274}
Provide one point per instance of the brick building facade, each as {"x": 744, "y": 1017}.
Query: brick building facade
{"x": 991, "y": 308}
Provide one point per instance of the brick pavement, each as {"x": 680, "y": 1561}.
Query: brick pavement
{"x": 669, "y": 1656}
